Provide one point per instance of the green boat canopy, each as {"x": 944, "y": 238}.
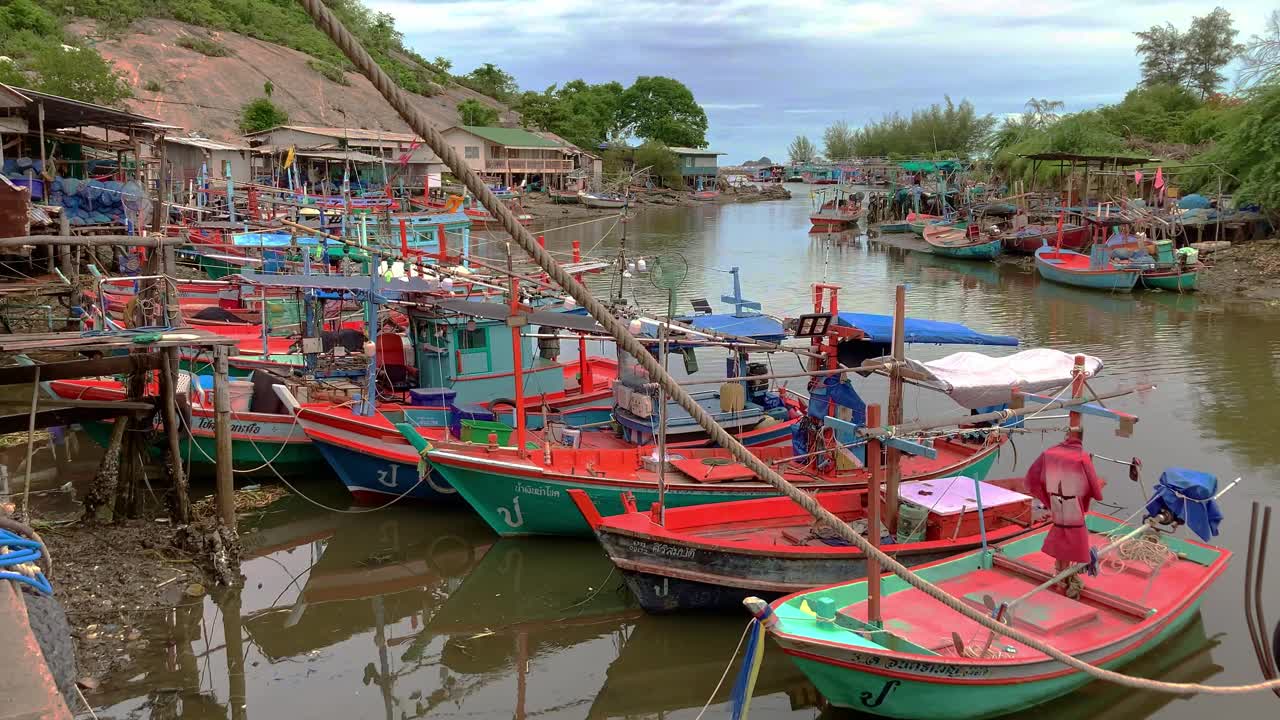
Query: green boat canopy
{"x": 931, "y": 166}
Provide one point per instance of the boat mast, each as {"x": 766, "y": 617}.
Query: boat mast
{"x": 517, "y": 320}
{"x": 894, "y": 455}
{"x": 873, "y": 519}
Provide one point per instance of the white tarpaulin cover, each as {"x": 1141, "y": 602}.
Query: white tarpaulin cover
{"x": 975, "y": 380}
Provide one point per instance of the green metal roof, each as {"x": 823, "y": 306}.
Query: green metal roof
{"x": 511, "y": 137}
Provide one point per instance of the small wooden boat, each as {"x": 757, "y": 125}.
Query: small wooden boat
{"x": 564, "y": 197}
{"x": 712, "y": 556}
{"x": 894, "y": 227}
{"x": 968, "y": 242}
{"x": 706, "y": 195}
{"x": 918, "y": 221}
{"x": 932, "y": 663}
{"x": 835, "y": 209}
{"x": 1161, "y": 267}
{"x": 1085, "y": 271}
{"x": 606, "y": 201}
{"x": 1026, "y": 240}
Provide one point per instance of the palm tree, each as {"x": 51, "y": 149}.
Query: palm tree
{"x": 1041, "y": 112}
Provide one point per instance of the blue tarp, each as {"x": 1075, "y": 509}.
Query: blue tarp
{"x": 879, "y": 329}
{"x": 832, "y": 389}
{"x": 757, "y": 327}
{"x": 1188, "y": 495}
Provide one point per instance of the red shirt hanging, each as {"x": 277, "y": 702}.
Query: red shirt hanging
{"x": 1064, "y": 481}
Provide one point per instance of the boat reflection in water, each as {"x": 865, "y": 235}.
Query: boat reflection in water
{"x": 1183, "y": 658}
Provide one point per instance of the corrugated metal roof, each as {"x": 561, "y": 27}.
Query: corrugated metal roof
{"x": 357, "y": 134}
{"x": 205, "y": 143}
{"x": 510, "y": 137}
{"x": 693, "y": 151}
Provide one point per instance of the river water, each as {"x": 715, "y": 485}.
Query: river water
{"x": 421, "y": 612}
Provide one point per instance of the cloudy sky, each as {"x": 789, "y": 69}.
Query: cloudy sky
{"x": 766, "y": 70}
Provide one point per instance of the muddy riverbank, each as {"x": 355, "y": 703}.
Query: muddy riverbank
{"x": 547, "y": 214}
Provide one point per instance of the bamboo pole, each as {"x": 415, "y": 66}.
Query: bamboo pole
{"x": 222, "y": 437}
{"x": 873, "y": 519}
{"x": 181, "y": 507}
{"x": 31, "y": 436}
{"x": 894, "y": 460}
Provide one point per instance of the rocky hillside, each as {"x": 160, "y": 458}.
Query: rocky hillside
{"x": 197, "y": 92}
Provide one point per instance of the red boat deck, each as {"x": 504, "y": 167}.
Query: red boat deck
{"x": 1112, "y": 603}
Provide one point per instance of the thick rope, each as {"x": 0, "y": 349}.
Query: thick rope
{"x": 399, "y": 100}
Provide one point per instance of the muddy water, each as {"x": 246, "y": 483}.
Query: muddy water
{"x": 418, "y": 611}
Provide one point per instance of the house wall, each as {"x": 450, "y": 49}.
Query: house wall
{"x": 460, "y": 140}
{"x": 184, "y": 162}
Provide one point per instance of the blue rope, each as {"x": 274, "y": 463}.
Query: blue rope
{"x": 19, "y": 550}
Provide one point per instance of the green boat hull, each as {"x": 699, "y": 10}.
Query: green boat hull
{"x": 1186, "y": 282}
{"x": 246, "y": 456}
{"x": 915, "y": 700}
{"x": 518, "y": 506}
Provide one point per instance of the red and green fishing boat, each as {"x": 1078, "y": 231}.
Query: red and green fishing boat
{"x": 930, "y": 662}
{"x": 526, "y": 492}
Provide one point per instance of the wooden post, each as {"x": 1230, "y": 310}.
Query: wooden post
{"x": 873, "y": 519}
{"x": 181, "y": 506}
{"x": 222, "y": 437}
{"x": 894, "y": 459}
{"x": 132, "y": 449}
{"x": 1077, "y": 391}
{"x": 517, "y": 321}
{"x": 234, "y": 641}
{"x": 159, "y": 216}
{"x": 31, "y": 438}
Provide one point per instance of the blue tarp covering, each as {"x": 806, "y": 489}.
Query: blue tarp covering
{"x": 1188, "y": 494}
{"x": 879, "y": 329}
{"x": 832, "y": 389}
{"x": 757, "y": 327}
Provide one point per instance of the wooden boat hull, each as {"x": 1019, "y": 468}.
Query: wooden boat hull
{"x": 592, "y": 201}
{"x": 918, "y": 693}
{"x": 980, "y": 250}
{"x": 895, "y": 227}
{"x": 669, "y": 569}
{"x": 1075, "y": 237}
{"x": 1104, "y": 279}
{"x": 1172, "y": 280}
{"x": 1124, "y": 619}
{"x": 565, "y": 198}
{"x": 521, "y": 500}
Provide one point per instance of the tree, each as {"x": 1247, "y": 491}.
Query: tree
{"x": 661, "y": 162}
{"x": 662, "y": 109}
{"x": 1041, "y": 113}
{"x": 837, "y": 141}
{"x": 588, "y": 113}
{"x": 474, "y": 112}
{"x": 1262, "y": 54}
{"x": 801, "y": 150}
{"x": 1163, "y": 55}
{"x": 491, "y": 80}
{"x": 261, "y": 114}
{"x": 1209, "y": 45}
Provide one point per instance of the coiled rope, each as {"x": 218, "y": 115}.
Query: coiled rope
{"x": 20, "y": 559}
{"x": 399, "y": 100}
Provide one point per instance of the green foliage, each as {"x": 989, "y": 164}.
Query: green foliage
{"x": 838, "y": 141}
{"x": 261, "y": 114}
{"x": 661, "y": 162}
{"x": 943, "y": 129}
{"x": 202, "y": 45}
{"x": 1210, "y": 45}
{"x": 474, "y": 112}
{"x": 801, "y": 150}
{"x": 585, "y": 115}
{"x": 328, "y": 71}
{"x": 662, "y": 109}
{"x": 154, "y": 86}
{"x": 1194, "y": 58}
{"x": 491, "y": 80}
{"x": 1082, "y": 133}
{"x": 1249, "y": 152}
{"x": 31, "y": 36}
{"x": 283, "y": 22}
{"x": 1154, "y": 112}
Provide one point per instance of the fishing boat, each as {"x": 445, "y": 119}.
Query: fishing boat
{"x": 706, "y": 195}
{"x": 968, "y": 243}
{"x": 1029, "y": 238}
{"x": 564, "y": 197}
{"x": 835, "y": 209}
{"x": 700, "y": 558}
{"x": 894, "y": 227}
{"x": 932, "y": 663}
{"x": 1162, "y": 268}
{"x": 917, "y": 222}
{"x": 1093, "y": 271}
{"x": 709, "y": 557}
{"x": 607, "y": 201}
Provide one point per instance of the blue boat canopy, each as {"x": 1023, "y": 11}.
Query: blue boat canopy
{"x": 879, "y": 329}
{"x": 756, "y": 327}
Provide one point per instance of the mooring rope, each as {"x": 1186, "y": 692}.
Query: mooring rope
{"x": 352, "y": 48}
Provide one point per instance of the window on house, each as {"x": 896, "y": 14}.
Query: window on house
{"x": 473, "y": 351}
{"x": 471, "y": 152}
{"x": 477, "y": 339}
